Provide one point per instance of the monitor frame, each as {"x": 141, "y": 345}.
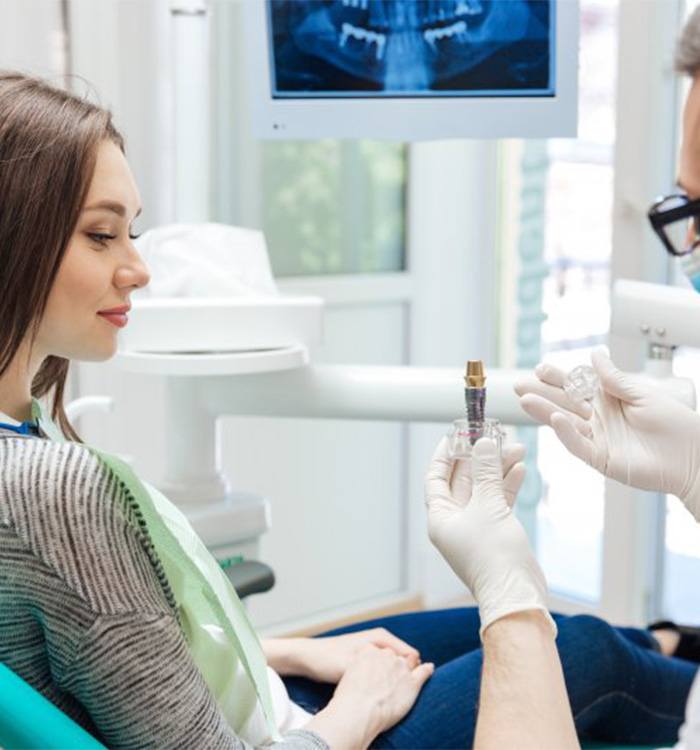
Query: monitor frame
{"x": 413, "y": 118}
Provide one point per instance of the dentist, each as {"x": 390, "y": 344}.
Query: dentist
{"x": 631, "y": 432}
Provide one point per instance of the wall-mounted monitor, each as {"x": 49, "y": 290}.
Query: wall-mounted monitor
{"x": 412, "y": 69}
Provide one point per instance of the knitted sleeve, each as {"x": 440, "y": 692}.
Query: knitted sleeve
{"x": 112, "y": 636}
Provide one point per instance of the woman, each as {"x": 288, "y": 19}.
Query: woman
{"x": 86, "y": 614}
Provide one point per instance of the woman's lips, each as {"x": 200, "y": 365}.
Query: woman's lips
{"x": 117, "y": 319}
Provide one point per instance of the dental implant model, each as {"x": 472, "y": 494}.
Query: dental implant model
{"x": 465, "y": 432}
{"x": 582, "y": 383}
{"x": 475, "y": 398}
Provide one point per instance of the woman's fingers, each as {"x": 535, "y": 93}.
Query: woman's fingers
{"x": 385, "y": 639}
{"x": 554, "y": 394}
{"x": 421, "y": 674}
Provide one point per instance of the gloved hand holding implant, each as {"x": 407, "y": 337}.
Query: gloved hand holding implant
{"x": 470, "y": 522}
{"x": 631, "y": 430}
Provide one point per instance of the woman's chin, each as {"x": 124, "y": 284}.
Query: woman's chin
{"x": 98, "y": 354}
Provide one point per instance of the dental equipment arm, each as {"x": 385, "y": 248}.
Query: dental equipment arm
{"x": 523, "y": 701}
{"x": 365, "y": 392}
{"x": 632, "y": 432}
{"x": 193, "y": 471}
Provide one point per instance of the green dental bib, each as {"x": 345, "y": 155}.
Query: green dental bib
{"x": 219, "y": 634}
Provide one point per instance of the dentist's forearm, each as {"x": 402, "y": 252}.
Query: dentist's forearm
{"x": 523, "y": 700}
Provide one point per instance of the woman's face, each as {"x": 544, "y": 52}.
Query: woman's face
{"x": 99, "y": 270}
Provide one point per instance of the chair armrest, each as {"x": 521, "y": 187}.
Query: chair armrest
{"x": 250, "y": 577}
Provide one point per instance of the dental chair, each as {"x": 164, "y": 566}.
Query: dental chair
{"x": 28, "y": 720}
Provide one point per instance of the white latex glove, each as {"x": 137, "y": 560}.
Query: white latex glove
{"x": 632, "y": 431}
{"x": 471, "y": 523}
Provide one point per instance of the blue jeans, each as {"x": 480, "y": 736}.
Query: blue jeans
{"x": 621, "y": 689}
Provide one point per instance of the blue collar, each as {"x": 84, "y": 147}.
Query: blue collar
{"x": 26, "y": 428}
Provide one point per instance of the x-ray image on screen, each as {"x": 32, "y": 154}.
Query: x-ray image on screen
{"x": 409, "y": 48}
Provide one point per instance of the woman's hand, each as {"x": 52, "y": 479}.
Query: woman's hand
{"x": 376, "y": 691}
{"x": 632, "y": 432}
{"x": 327, "y": 659}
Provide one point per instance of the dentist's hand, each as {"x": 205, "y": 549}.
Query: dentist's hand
{"x": 471, "y": 523}
{"x": 632, "y": 432}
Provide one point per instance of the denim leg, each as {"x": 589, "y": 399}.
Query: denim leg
{"x": 640, "y": 636}
{"x": 620, "y": 691}
{"x": 439, "y": 635}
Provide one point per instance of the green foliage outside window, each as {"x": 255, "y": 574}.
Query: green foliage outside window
{"x": 334, "y": 207}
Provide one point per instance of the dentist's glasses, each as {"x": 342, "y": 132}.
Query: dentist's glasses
{"x": 676, "y": 221}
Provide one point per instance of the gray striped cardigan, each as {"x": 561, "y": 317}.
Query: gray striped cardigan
{"x": 84, "y": 617}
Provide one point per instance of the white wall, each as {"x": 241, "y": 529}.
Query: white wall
{"x": 31, "y": 38}
{"x": 123, "y": 51}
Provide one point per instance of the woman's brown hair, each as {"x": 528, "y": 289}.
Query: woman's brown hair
{"x": 48, "y": 146}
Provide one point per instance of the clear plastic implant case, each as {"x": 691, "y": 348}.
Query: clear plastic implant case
{"x": 582, "y": 383}
{"x": 463, "y": 434}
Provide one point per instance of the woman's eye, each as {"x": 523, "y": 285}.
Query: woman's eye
{"x": 100, "y": 238}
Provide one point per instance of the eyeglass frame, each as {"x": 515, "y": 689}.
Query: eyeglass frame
{"x": 659, "y": 219}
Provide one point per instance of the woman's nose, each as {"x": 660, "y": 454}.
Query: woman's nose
{"x": 134, "y": 273}
{"x": 142, "y": 274}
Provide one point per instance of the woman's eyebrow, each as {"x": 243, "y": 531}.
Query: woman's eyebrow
{"x": 113, "y": 206}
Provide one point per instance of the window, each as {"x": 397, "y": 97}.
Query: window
{"x": 577, "y": 179}
{"x": 326, "y": 206}
{"x": 334, "y": 207}
{"x": 681, "y": 565}
{"x": 578, "y": 237}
